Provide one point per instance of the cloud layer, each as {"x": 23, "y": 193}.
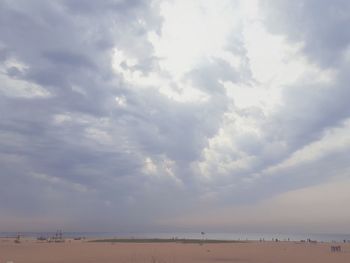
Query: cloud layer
{"x": 145, "y": 115}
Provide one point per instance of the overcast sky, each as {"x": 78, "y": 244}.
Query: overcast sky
{"x": 175, "y": 115}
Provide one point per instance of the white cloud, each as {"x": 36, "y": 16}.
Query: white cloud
{"x": 191, "y": 31}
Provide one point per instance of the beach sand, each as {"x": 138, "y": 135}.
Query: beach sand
{"x": 31, "y": 251}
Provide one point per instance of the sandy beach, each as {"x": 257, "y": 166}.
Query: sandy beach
{"x": 32, "y": 251}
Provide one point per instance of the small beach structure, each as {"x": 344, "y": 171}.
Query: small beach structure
{"x": 57, "y": 238}
{"x": 18, "y": 238}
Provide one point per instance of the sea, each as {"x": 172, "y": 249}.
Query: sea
{"x": 189, "y": 235}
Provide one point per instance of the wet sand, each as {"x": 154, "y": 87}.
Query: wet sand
{"x": 31, "y": 251}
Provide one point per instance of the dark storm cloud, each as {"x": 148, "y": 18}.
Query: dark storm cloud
{"x": 320, "y": 25}
{"x": 66, "y": 47}
{"x": 75, "y": 142}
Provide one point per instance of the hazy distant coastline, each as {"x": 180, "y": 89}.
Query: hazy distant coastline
{"x": 199, "y": 236}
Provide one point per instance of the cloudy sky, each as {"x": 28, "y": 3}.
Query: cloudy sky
{"x": 175, "y": 115}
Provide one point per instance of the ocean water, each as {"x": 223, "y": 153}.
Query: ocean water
{"x": 209, "y": 235}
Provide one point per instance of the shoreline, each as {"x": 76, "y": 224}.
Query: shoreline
{"x": 168, "y": 240}
{"x": 185, "y": 236}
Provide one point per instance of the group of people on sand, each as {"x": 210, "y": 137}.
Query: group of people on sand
{"x": 336, "y": 248}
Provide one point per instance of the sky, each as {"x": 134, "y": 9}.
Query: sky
{"x": 175, "y": 115}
